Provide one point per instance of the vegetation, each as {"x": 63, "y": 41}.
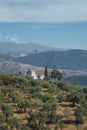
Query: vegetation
{"x": 56, "y": 75}
{"x": 27, "y": 104}
{"x": 46, "y": 72}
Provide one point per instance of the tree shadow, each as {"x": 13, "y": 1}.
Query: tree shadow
{"x": 65, "y": 105}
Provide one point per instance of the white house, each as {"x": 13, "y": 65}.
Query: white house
{"x": 32, "y": 74}
{"x": 42, "y": 77}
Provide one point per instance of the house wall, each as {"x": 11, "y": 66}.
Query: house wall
{"x": 34, "y": 75}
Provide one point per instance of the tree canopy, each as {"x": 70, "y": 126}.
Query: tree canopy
{"x": 57, "y": 75}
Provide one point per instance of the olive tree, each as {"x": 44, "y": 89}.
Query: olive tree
{"x": 56, "y": 75}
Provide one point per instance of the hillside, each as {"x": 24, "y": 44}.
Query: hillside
{"x": 23, "y": 48}
{"x": 80, "y": 80}
{"x": 27, "y": 104}
{"x": 15, "y": 67}
{"x": 70, "y": 60}
{"x": 38, "y": 55}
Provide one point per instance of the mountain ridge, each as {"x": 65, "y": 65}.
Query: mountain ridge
{"x": 71, "y": 59}
{"x": 6, "y": 47}
{"x": 38, "y": 55}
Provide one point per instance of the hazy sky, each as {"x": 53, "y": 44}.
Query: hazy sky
{"x": 57, "y": 23}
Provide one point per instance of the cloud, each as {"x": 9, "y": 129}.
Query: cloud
{"x": 55, "y": 11}
{"x": 9, "y": 38}
{"x": 12, "y": 38}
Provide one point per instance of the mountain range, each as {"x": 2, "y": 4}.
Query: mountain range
{"x": 16, "y": 58}
{"x": 70, "y": 59}
{"x": 38, "y": 55}
{"x": 77, "y": 79}
{"x": 24, "y": 49}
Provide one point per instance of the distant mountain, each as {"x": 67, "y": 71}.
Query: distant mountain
{"x": 4, "y": 57}
{"x": 69, "y": 60}
{"x": 38, "y": 55}
{"x": 23, "y": 49}
{"x": 80, "y": 80}
{"x": 15, "y": 58}
{"x": 15, "y": 67}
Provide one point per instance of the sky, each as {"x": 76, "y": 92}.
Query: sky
{"x": 56, "y": 23}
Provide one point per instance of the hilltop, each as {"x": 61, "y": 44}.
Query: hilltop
{"x": 23, "y": 48}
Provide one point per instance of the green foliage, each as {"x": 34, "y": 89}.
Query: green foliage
{"x": 7, "y": 110}
{"x": 32, "y": 120}
{"x": 61, "y": 98}
{"x": 52, "y": 89}
{"x": 46, "y": 97}
{"x": 65, "y": 86}
{"x": 18, "y": 79}
{"x": 3, "y": 127}
{"x": 15, "y": 98}
{"x": 13, "y": 79}
{"x": 24, "y": 127}
{"x": 34, "y": 90}
{"x": 84, "y": 107}
{"x": 75, "y": 97}
{"x": 2, "y": 118}
{"x": 38, "y": 103}
{"x": 61, "y": 125}
{"x": 5, "y": 78}
{"x": 1, "y": 82}
{"x": 79, "y": 115}
{"x": 46, "y": 84}
{"x": 50, "y": 107}
{"x": 33, "y": 83}
{"x": 13, "y": 123}
{"x": 36, "y": 119}
{"x": 55, "y": 74}
{"x": 2, "y": 98}
{"x": 46, "y": 72}
{"x": 66, "y": 113}
{"x": 23, "y": 105}
{"x": 7, "y": 91}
